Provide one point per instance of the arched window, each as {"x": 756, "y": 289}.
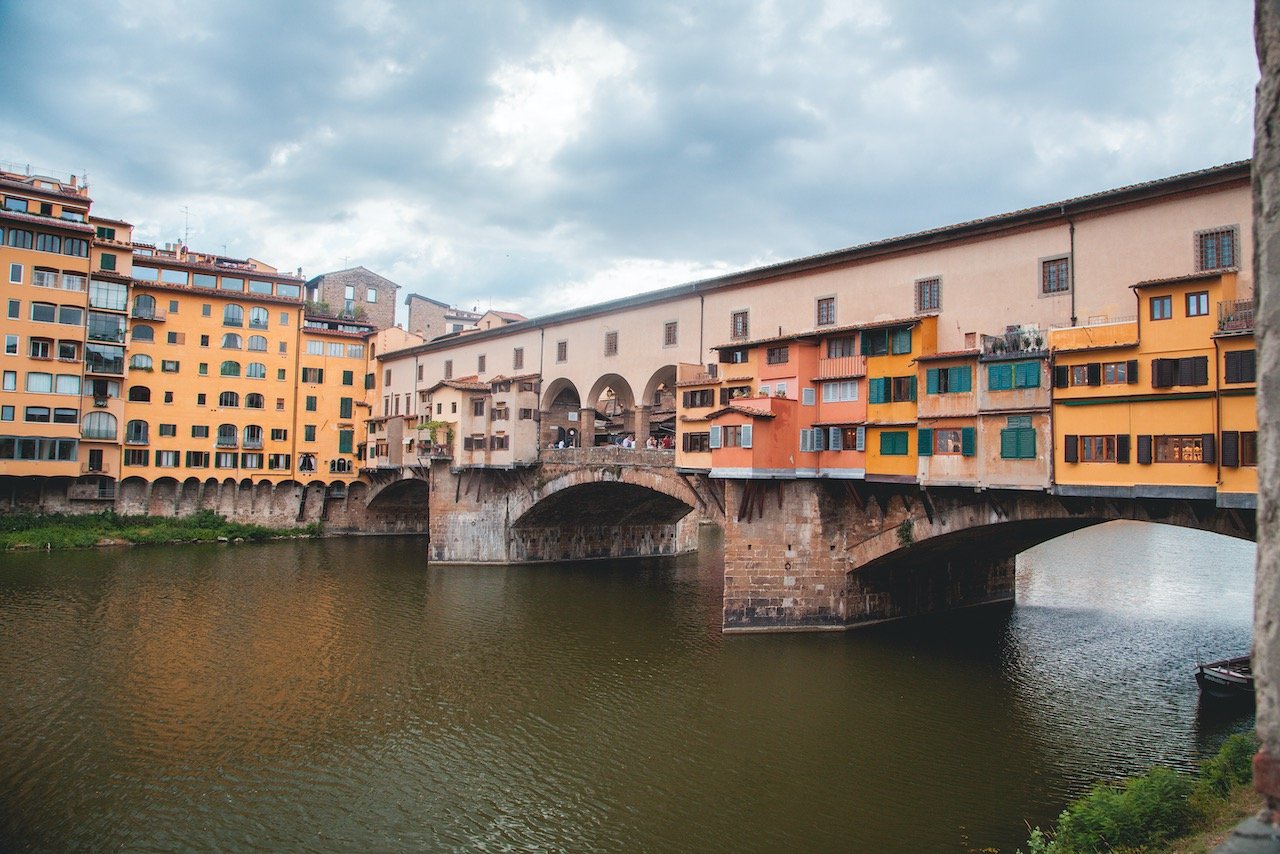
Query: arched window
{"x": 139, "y": 394}
{"x": 233, "y": 315}
{"x": 144, "y": 306}
{"x": 254, "y": 401}
{"x": 256, "y": 370}
{"x": 258, "y": 343}
{"x": 226, "y": 435}
{"x": 140, "y": 362}
{"x": 99, "y": 425}
{"x": 258, "y": 318}
{"x": 135, "y": 433}
{"x": 143, "y": 333}
{"x": 228, "y": 398}
{"x": 230, "y": 369}
{"x": 252, "y": 436}
{"x": 230, "y": 341}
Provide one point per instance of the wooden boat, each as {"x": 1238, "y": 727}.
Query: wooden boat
{"x": 1230, "y": 677}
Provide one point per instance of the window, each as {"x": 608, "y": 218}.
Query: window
{"x": 310, "y": 403}
{"x": 107, "y": 261}
{"x": 143, "y": 334}
{"x": 698, "y": 398}
{"x": 15, "y": 274}
{"x": 253, "y": 400}
{"x": 344, "y": 407}
{"x": 1190, "y": 370}
{"x": 875, "y": 342}
{"x": 226, "y": 460}
{"x": 826, "y": 311}
{"x": 1115, "y": 373}
{"x": 1018, "y": 439}
{"x": 15, "y": 309}
{"x": 257, "y": 344}
{"x": 231, "y": 341}
{"x": 562, "y": 351}
{"x": 1239, "y": 448}
{"x": 313, "y": 375}
{"x": 891, "y": 389}
{"x": 893, "y": 443}
{"x": 229, "y": 369}
{"x": 777, "y": 355}
{"x": 167, "y": 459}
{"x": 99, "y": 425}
{"x": 169, "y": 366}
{"x": 448, "y": 372}
{"x": 904, "y": 388}
{"x": 76, "y": 247}
{"x": 480, "y": 360}
{"x": 371, "y": 295}
{"x": 227, "y": 436}
{"x": 477, "y": 406}
{"x": 11, "y": 345}
{"x": 39, "y": 383}
{"x": 929, "y": 295}
{"x": 6, "y": 412}
{"x": 139, "y": 394}
{"x": 696, "y": 442}
{"x": 66, "y": 384}
{"x": 348, "y": 378}
{"x": 335, "y": 348}
{"x": 1055, "y": 276}
{"x": 1198, "y": 304}
{"x": 1241, "y": 366}
{"x": 135, "y": 432}
{"x": 517, "y": 358}
{"x": 611, "y": 343}
{"x": 669, "y": 333}
{"x": 732, "y": 436}
{"x": 258, "y": 318}
{"x": 738, "y": 325}
{"x": 168, "y": 429}
{"x": 1216, "y": 249}
{"x": 48, "y": 243}
{"x": 197, "y": 459}
{"x": 308, "y": 432}
{"x": 1161, "y": 308}
{"x": 278, "y": 462}
{"x": 735, "y": 355}
{"x": 228, "y": 399}
{"x": 900, "y": 341}
{"x": 838, "y": 392}
{"x": 176, "y": 337}
{"x": 200, "y": 399}
{"x": 253, "y": 436}
{"x": 200, "y": 431}
{"x": 39, "y": 348}
{"x": 1097, "y": 449}
{"x": 315, "y": 348}
{"x": 39, "y": 414}
{"x": 10, "y": 382}
{"x": 256, "y": 371}
{"x": 203, "y": 369}
{"x": 1183, "y": 449}
{"x": 948, "y": 441}
{"x": 44, "y": 312}
{"x": 20, "y": 238}
{"x": 233, "y": 315}
{"x": 355, "y": 351}
{"x": 204, "y": 340}
{"x": 949, "y": 380}
{"x": 137, "y": 457}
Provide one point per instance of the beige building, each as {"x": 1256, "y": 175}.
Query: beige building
{"x": 354, "y": 294}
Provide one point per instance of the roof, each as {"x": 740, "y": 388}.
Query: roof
{"x": 753, "y": 411}
{"x": 231, "y": 295}
{"x": 969, "y": 353}
{"x": 817, "y": 334}
{"x": 509, "y": 316}
{"x": 47, "y": 221}
{"x": 1189, "y": 277}
{"x": 1237, "y": 173}
{"x": 410, "y": 297}
{"x": 361, "y": 270}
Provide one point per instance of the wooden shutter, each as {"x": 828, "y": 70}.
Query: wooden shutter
{"x": 1131, "y": 371}
{"x": 1070, "y": 448}
{"x": 819, "y": 439}
{"x": 835, "y": 439}
{"x": 931, "y": 381}
{"x": 1144, "y": 450}
{"x": 924, "y": 442}
{"x": 860, "y": 439}
{"x": 968, "y": 441}
{"x": 1009, "y": 443}
{"x": 1094, "y": 372}
{"x": 713, "y": 437}
{"x": 1231, "y": 447}
{"x": 911, "y": 388}
{"x": 1061, "y": 376}
{"x": 806, "y": 440}
{"x": 808, "y": 396}
{"x": 746, "y": 435}
{"x": 1026, "y": 443}
{"x": 1209, "y": 448}
{"x": 1122, "y": 448}
{"x": 1163, "y": 372}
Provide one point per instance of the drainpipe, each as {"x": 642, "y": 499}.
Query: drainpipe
{"x": 702, "y": 322}
{"x": 1217, "y": 409}
{"x": 1071, "y": 264}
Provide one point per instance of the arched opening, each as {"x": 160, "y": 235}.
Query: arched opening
{"x": 614, "y": 404}
{"x": 561, "y": 407}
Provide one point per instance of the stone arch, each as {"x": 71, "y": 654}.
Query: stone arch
{"x": 663, "y": 379}
{"x": 616, "y": 384}
{"x": 131, "y": 495}
{"x": 561, "y": 405}
{"x": 407, "y": 493}
{"x": 163, "y": 500}
{"x": 189, "y": 496}
{"x": 525, "y": 502}
{"x": 209, "y": 499}
{"x": 561, "y": 391}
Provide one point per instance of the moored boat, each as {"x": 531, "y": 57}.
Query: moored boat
{"x": 1230, "y": 677}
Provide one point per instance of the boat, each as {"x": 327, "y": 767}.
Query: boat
{"x": 1230, "y": 677}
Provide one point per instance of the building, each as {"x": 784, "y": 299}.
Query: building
{"x": 356, "y": 293}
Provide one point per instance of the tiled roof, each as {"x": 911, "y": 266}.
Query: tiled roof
{"x": 816, "y": 334}
{"x": 1189, "y": 277}
{"x": 48, "y": 221}
{"x": 948, "y": 354}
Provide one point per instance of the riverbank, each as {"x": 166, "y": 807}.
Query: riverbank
{"x": 60, "y": 531}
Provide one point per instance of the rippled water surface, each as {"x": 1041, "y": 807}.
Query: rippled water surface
{"x": 341, "y": 695}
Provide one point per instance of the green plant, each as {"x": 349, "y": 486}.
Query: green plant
{"x": 1231, "y": 767}
{"x": 1146, "y": 810}
{"x": 906, "y": 533}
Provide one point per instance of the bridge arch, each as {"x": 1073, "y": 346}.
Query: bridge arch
{"x": 661, "y": 384}
{"x": 614, "y": 386}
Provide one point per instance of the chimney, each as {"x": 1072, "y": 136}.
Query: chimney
{"x": 73, "y": 182}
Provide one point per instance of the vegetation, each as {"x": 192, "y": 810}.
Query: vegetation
{"x": 59, "y": 531}
{"x": 1161, "y": 810}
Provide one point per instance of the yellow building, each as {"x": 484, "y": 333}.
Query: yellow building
{"x": 1162, "y": 406}
{"x": 45, "y": 239}
{"x": 330, "y": 383}
{"x": 212, "y": 368}
{"x": 891, "y": 349}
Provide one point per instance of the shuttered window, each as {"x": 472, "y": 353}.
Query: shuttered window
{"x": 1241, "y": 366}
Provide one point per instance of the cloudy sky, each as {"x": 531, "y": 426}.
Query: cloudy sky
{"x": 539, "y": 155}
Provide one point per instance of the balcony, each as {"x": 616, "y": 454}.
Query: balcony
{"x": 1235, "y": 315}
{"x": 147, "y": 314}
{"x": 226, "y": 442}
{"x": 249, "y": 444}
{"x": 842, "y": 367}
{"x": 1017, "y": 342}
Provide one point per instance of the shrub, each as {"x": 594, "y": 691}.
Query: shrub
{"x": 1146, "y": 810}
{"x": 1231, "y": 767}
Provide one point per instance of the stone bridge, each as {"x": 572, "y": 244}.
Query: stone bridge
{"x": 577, "y": 504}
{"x": 833, "y": 555}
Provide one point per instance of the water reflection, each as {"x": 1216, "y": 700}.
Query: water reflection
{"x": 338, "y": 695}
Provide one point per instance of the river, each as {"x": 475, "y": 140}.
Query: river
{"x": 340, "y": 695}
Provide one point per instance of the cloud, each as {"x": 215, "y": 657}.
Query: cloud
{"x": 534, "y": 154}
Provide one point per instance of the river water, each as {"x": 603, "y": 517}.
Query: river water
{"x": 340, "y": 695}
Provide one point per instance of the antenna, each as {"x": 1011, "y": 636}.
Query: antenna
{"x": 186, "y": 225}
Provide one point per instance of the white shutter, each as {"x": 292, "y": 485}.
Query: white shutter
{"x": 806, "y": 440}
{"x": 819, "y": 439}
{"x": 836, "y": 441}
{"x": 861, "y": 439}
{"x": 746, "y": 435}
{"x": 808, "y": 396}
{"x": 714, "y": 439}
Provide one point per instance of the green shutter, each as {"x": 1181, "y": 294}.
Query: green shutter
{"x": 876, "y": 389}
{"x": 1027, "y": 443}
{"x": 931, "y": 381}
{"x": 1027, "y": 375}
{"x": 344, "y": 407}
{"x": 911, "y": 391}
{"x": 968, "y": 441}
{"x": 966, "y": 378}
{"x": 344, "y": 441}
{"x": 901, "y": 341}
{"x": 924, "y": 442}
{"x": 999, "y": 377}
{"x": 1009, "y": 443}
